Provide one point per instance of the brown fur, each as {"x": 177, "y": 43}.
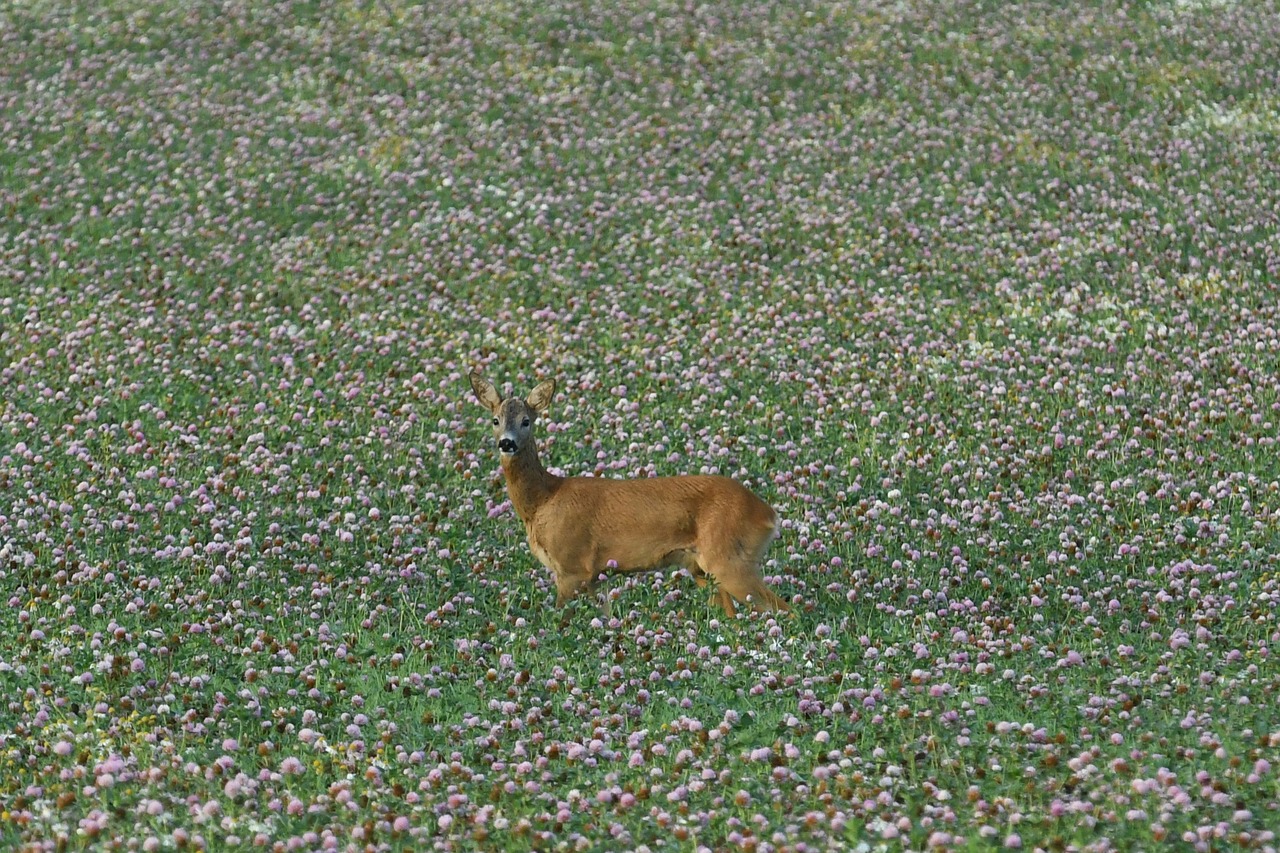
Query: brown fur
{"x": 579, "y": 527}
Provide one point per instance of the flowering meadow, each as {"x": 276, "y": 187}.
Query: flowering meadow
{"x": 982, "y": 297}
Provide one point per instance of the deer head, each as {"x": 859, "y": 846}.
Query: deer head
{"x": 513, "y": 418}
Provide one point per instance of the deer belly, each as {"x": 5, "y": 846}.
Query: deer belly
{"x": 640, "y": 561}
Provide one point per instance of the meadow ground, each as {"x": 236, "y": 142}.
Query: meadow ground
{"x": 981, "y": 296}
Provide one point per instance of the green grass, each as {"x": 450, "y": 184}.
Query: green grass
{"x": 979, "y": 297}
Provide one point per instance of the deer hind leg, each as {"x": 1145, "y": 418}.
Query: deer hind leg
{"x": 569, "y": 585}
{"x": 703, "y": 573}
{"x": 695, "y": 568}
{"x": 701, "y": 576}
{"x": 742, "y": 581}
{"x": 735, "y": 566}
{"x": 726, "y": 603}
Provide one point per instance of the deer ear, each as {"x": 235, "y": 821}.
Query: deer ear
{"x": 540, "y": 398}
{"x": 485, "y": 392}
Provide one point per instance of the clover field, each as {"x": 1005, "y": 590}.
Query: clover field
{"x": 982, "y": 297}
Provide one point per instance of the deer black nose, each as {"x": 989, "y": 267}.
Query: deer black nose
{"x": 507, "y": 445}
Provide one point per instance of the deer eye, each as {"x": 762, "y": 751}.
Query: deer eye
{"x": 495, "y": 421}
{"x": 525, "y": 422}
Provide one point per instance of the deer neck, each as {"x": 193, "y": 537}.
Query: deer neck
{"x": 528, "y": 483}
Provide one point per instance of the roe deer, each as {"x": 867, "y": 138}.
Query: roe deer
{"x": 579, "y": 527}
